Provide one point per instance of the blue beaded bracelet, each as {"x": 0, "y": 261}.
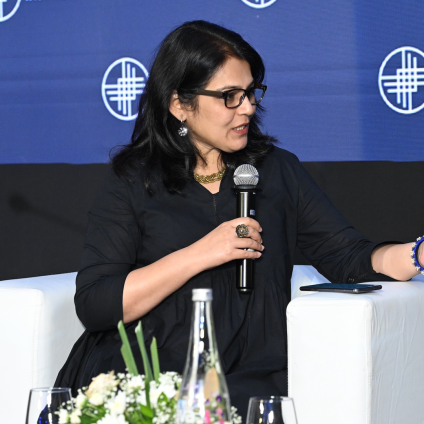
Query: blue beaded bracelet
{"x": 414, "y": 253}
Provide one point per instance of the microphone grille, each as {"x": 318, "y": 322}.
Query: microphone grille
{"x": 246, "y": 175}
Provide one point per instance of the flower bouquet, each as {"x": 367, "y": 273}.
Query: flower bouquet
{"x": 132, "y": 398}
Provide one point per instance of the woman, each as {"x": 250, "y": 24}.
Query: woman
{"x": 160, "y": 228}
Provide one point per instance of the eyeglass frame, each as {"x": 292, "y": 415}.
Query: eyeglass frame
{"x": 224, "y": 94}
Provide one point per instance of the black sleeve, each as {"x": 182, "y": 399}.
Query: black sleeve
{"x": 109, "y": 255}
{"x": 327, "y": 240}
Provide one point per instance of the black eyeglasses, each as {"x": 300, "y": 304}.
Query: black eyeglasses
{"x": 234, "y": 98}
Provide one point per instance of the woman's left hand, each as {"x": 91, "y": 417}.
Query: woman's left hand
{"x": 394, "y": 260}
{"x": 420, "y": 254}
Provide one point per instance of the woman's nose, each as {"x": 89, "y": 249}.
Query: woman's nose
{"x": 246, "y": 108}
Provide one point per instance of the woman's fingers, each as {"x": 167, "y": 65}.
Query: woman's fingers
{"x": 223, "y": 244}
{"x": 248, "y": 246}
{"x": 247, "y": 254}
{"x": 249, "y": 243}
{"x": 247, "y": 227}
{"x": 252, "y": 234}
{"x": 250, "y": 222}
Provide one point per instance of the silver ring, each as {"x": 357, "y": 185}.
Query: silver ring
{"x": 242, "y": 230}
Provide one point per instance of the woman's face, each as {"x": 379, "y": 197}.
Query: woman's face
{"x": 212, "y": 126}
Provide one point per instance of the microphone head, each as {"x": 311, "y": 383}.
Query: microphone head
{"x": 246, "y": 175}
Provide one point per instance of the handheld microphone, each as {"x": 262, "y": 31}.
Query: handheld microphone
{"x": 246, "y": 178}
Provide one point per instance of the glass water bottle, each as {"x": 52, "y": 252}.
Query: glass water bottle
{"x": 203, "y": 397}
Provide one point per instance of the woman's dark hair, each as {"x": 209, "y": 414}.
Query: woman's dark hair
{"x": 187, "y": 59}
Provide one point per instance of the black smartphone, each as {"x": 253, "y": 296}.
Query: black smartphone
{"x": 342, "y": 288}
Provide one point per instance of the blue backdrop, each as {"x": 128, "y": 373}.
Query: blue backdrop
{"x": 344, "y": 77}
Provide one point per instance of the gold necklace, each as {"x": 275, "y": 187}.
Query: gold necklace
{"x": 206, "y": 179}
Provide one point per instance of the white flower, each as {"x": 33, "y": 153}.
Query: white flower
{"x": 141, "y": 398}
{"x": 122, "y": 393}
{"x": 168, "y": 390}
{"x": 117, "y": 404}
{"x": 75, "y": 419}
{"x": 97, "y": 399}
{"x": 113, "y": 419}
{"x": 63, "y": 416}
{"x": 136, "y": 382}
{"x": 80, "y": 400}
{"x": 235, "y": 417}
{"x": 166, "y": 386}
{"x": 103, "y": 384}
{"x": 162, "y": 418}
{"x": 154, "y": 393}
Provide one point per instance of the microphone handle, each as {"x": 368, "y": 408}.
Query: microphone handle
{"x": 245, "y": 209}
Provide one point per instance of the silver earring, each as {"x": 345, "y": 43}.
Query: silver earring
{"x": 183, "y": 130}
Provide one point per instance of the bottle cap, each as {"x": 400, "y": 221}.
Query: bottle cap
{"x": 202, "y": 295}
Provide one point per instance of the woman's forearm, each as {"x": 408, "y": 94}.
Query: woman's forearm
{"x": 146, "y": 287}
{"x": 394, "y": 260}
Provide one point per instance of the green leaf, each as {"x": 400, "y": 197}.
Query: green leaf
{"x": 146, "y": 411}
{"x": 146, "y": 415}
{"x": 88, "y": 420}
{"x": 134, "y": 417}
{"x": 147, "y": 370}
{"x": 163, "y": 398}
{"x": 91, "y": 418}
{"x": 147, "y": 390}
{"x": 126, "y": 350}
{"x": 91, "y": 414}
{"x": 146, "y": 421}
{"x": 146, "y": 363}
{"x": 155, "y": 359}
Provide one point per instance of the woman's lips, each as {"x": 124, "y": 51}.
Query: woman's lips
{"x": 241, "y": 129}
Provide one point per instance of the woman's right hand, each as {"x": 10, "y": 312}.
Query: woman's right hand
{"x": 146, "y": 287}
{"x": 223, "y": 245}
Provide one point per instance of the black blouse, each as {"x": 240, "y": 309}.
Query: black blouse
{"x": 129, "y": 229}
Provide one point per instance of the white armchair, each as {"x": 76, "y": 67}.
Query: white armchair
{"x": 353, "y": 359}
{"x": 356, "y": 359}
{"x": 38, "y": 327}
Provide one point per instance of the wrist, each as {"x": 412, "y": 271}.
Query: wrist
{"x": 417, "y": 253}
{"x": 420, "y": 255}
{"x": 197, "y": 259}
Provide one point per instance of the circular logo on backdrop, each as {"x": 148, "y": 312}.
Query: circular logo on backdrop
{"x": 122, "y": 85}
{"x": 257, "y": 4}
{"x": 401, "y": 80}
{"x": 8, "y": 8}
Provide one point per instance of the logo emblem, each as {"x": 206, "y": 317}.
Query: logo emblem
{"x": 7, "y": 9}
{"x": 257, "y": 4}
{"x": 122, "y": 85}
{"x": 401, "y": 80}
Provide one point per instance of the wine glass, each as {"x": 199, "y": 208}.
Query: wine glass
{"x": 271, "y": 410}
{"x": 45, "y": 402}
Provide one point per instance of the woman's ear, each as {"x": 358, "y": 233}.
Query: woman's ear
{"x": 176, "y": 108}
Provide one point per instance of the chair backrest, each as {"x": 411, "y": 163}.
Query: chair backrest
{"x": 38, "y": 327}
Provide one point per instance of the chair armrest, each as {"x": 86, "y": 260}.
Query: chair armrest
{"x": 305, "y": 275}
{"x": 38, "y": 327}
{"x": 357, "y": 359}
